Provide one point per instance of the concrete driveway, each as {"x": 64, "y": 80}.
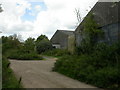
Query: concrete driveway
{"x": 38, "y": 74}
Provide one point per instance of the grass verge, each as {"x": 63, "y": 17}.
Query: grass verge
{"x": 8, "y": 78}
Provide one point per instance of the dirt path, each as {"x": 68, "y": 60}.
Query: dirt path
{"x": 38, "y": 74}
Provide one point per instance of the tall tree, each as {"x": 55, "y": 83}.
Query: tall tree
{"x": 41, "y": 37}
{"x": 30, "y": 45}
{"x": 43, "y": 44}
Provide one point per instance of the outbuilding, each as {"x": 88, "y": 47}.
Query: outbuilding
{"x": 63, "y": 39}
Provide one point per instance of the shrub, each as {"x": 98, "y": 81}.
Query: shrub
{"x": 15, "y": 54}
{"x": 8, "y": 78}
{"x": 108, "y": 55}
{"x": 43, "y": 46}
{"x": 100, "y": 68}
{"x": 107, "y": 77}
{"x": 56, "y": 52}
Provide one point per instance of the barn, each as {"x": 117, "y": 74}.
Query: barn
{"x": 106, "y": 15}
{"x": 63, "y": 39}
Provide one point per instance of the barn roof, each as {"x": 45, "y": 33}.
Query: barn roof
{"x": 67, "y": 32}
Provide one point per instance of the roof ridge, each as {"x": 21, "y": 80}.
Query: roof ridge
{"x": 66, "y": 30}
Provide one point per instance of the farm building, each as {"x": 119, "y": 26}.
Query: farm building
{"x": 63, "y": 39}
{"x": 106, "y": 15}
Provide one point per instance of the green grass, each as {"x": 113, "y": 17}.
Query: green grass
{"x": 8, "y": 78}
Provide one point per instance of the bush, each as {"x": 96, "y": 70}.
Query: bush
{"x": 108, "y": 55}
{"x": 15, "y": 54}
{"x": 43, "y": 46}
{"x": 56, "y": 52}
{"x": 99, "y": 68}
{"x": 107, "y": 77}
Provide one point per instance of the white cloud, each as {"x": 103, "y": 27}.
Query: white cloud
{"x": 38, "y": 7}
{"x": 10, "y": 18}
{"x": 59, "y": 15}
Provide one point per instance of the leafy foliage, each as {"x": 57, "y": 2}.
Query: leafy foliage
{"x": 29, "y": 45}
{"x": 100, "y": 68}
{"x": 56, "y": 52}
{"x": 95, "y": 63}
{"x": 91, "y": 35}
{"x": 8, "y": 78}
{"x": 10, "y": 42}
{"x": 16, "y": 54}
{"x": 41, "y": 37}
{"x": 43, "y": 44}
{"x": 14, "y": 49}
{"x": 91, "y": 30}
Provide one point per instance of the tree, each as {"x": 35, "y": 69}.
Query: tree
{"x": 43, "y": 46}
{"x": 41, "y": 37}
{"x": 9, "y": 43}
{"x": 78, "y": 15}
{"x": 77, "y": 12}
{"x": 29, "y": 45}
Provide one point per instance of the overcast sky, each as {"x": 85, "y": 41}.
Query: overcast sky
{"x": 31, "y": 18}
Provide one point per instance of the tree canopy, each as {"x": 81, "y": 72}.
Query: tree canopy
{"x": 42, "y": 37}
{"x": 29, "y": 44}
